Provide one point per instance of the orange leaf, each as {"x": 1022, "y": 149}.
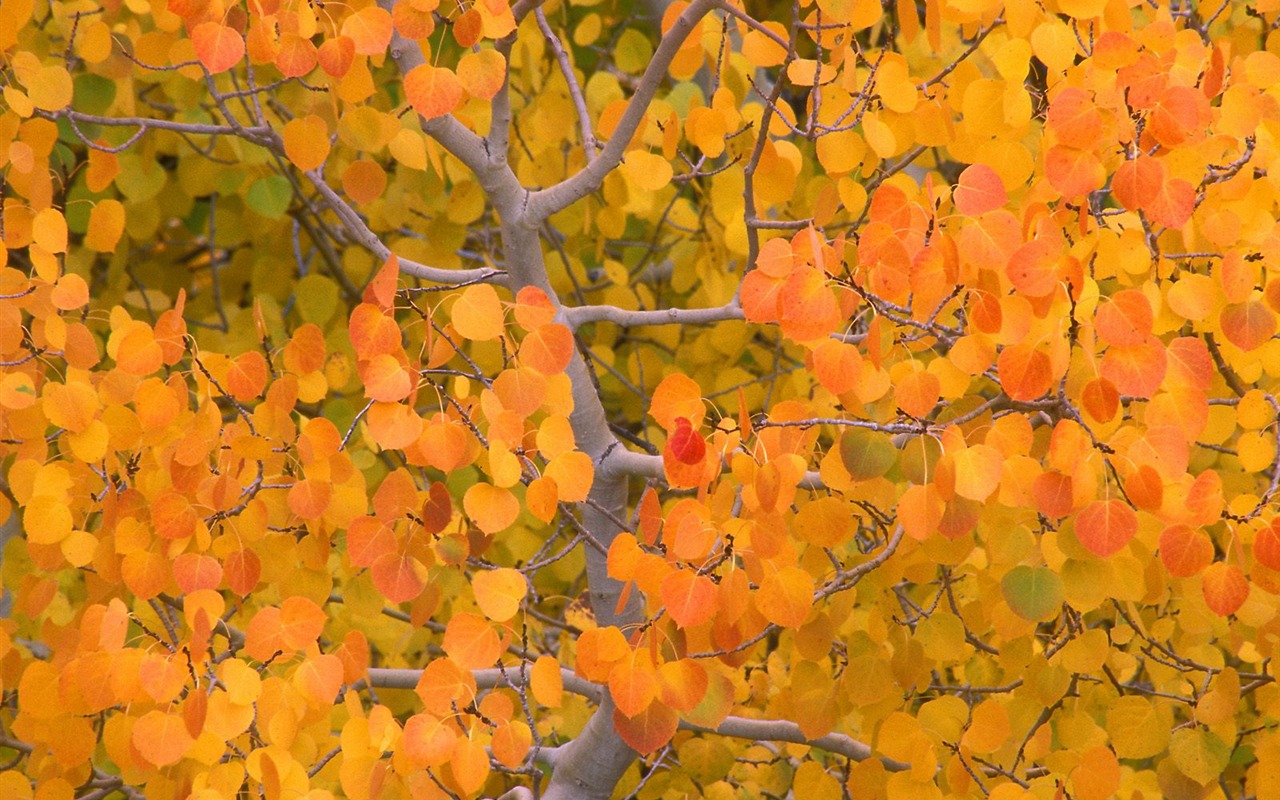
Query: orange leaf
{"x": 469, "y": 764}
{"x": 217, "y": 46}
{"x": 978, "y": 471}
{"x": 836, "y": 365}
{"x": 1026, "y": 373}
{"x": 1033, "y": 267}
{"x": 469, "y": 27}
{"x": 980, "y": 190}
{"x": 1173, "y": 204}
{"x": 310, "y": 498}
{"x": 682, "y": 684}
{"x": 511, "y": 743}
{"x": 1145, "y": 486}
{"x": 470, "y": 640}
{"x": 1073, "y": 173}
{"x": 161, "y": 738}
{"x": 1136, "y": 183}
{"x": 373, "y": 332}
{"x": 920, "y": 510}
{"x": 173, "y": 516}
{"x": 761, "y": 296}
{"x": 432, "y": 91}
{"x": 533, "y": 308}
{"x": 1225, "y": 588}
{"x": 393, "y": 426}
{"x": 650, "y": 729}
{"x": 482, "y": 74}
{"x": 1053, "y": 494}
{"x": 369, "y": 30}
{"x": 336, "y": 55}
{"x": 633, "y": 683}
{"x": 385, "y": 379}
{"x": 677, "y": 397}
{"x": 1175, "y": 115}
{"x": 297, "y": 56}
{"x": 573, "y": 474}
{"x": 548, "y": 349}
{"x": 546, "y": 681}
{"x": 319, "y": 679}
{"x": 1125, "y": 319}
{"x": 1136, "y": 370}
{"x": 414, "y": 21}
{"x": 1185, "y": 551}
{"x": 247, "y": 377}
{"x": 444, "y": 683}
{"x": 917, "y": 393}
{"x": 1248, "y": 325}
{"x": 1074, "y": 118}
{"x": 1104, "y": 527}
{"x": 690, "y": 598}
{"x": 301, "y": 622}
{"x": 364, "y": 181}
{"x": 398, "y": 576}
{"x": 428, "y": 741}
{"x": 1100, "y": 399}
{"x": 367, "y": 539}
{"x": 1266, "y": 547}
{"x": 491, "y": 508}
{"x": 70, "y": 293}
{"x": 194, "y": 571}
{"x": 381, "y": 290}
{"x": 243, "y": 570}
{"x": 437, "y": 509}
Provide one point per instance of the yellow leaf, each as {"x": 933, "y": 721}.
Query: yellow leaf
{"x": 786, "y": 596}
{"x": 491, "y": 508}
{"x": 306, "y": 141}
{"x": 477, "y": 313}
{"x": 989, "y": 727}
{"x": 499, "y": 592}
{"x": 647, "y": 171}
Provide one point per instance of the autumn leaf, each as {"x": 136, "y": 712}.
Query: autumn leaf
{"x": 1106, "y": 526}
{"x": 218, "y": 47}
{"x": 432, "y": 91}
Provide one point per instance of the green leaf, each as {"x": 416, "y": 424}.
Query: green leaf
{"x": 94, "y": 94}
{"x": 317, "y": 298}
{"x": 867, "y": 454}
{"x": 1034, "y": 593}
{"x": 270, "y": 196}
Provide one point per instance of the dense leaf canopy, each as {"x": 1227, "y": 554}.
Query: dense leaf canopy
{"x": 585, "y": 398}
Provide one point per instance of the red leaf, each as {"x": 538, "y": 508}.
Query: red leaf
{"x": 686, "y": 444}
